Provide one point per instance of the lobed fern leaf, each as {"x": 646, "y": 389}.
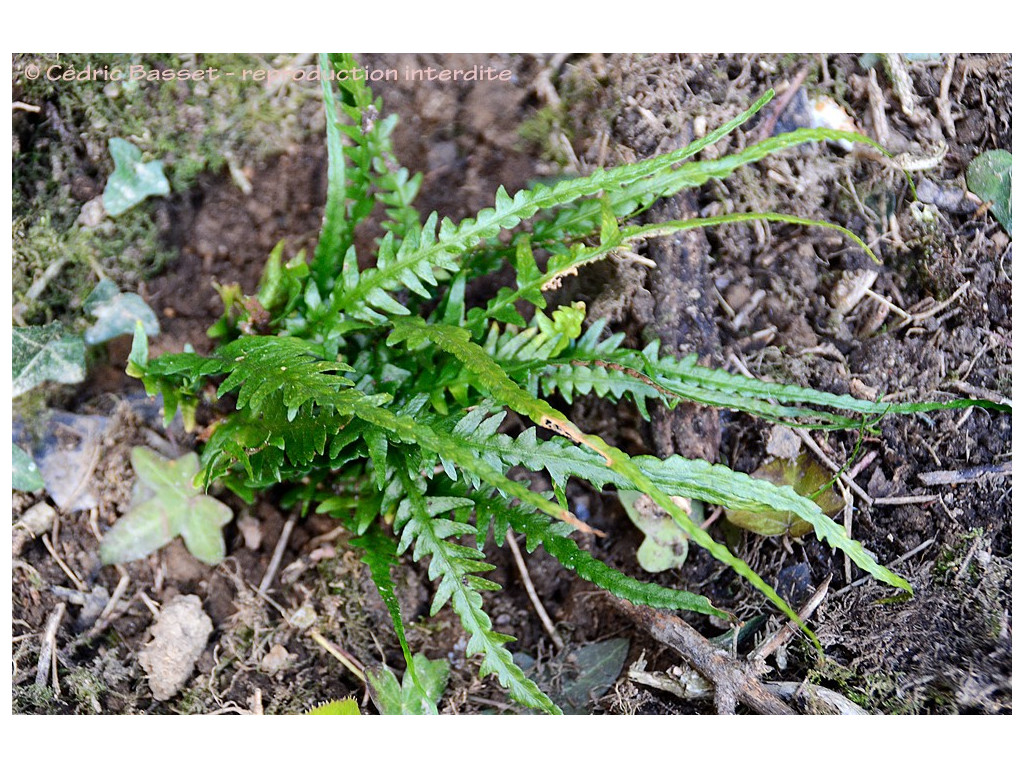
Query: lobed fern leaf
{"x": 380, "y": 555}
{"x": 543, "y": 531}
{"x": 456, "y": 341}
{"x": 456, "y": 566}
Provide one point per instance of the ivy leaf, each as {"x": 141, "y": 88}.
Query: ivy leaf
{"x": 132, "y": 180}
{"x": 45, "y": 353}
{"x": 665, "y": 545}
{"x": 117, "y": 313}
{"x": 990, "y": 177}
{"x": 166, "y": 503}
{"x": 26, "y": 476}
{"x": 596, "y": 668}
{"x": 408, "y": 699}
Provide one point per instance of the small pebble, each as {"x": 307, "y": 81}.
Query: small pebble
{"x": 276, "y": 660}
{"x": 303, "y": 618}
{"x": 37, "y": 520}
{"x": 252, "y": 535}
{"x": 179, "y": 638}
{"x": 783, "y": 442}
{"x": 92, "y": 213}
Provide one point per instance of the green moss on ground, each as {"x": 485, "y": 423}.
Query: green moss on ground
{"x": 62, "y": 161}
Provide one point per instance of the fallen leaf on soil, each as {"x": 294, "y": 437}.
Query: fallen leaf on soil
{"x": 66, "y": 451}
{"x": 990, "y": 177}
{"x": 25, "y": 475}
{"x": 665, "y": 544}
{"x": 806, "y": 476}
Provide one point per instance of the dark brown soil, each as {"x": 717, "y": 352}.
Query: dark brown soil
{"x": 771, "y": 310}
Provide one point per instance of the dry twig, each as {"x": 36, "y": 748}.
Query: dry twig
{"x": 538, "y": 606}
{"x": 892, "y": 501}
{"x": 782, "y": 636}
{"x": 736, "y": 682}
{"x": 275, "y": 561}
{"x": 79, "y": 584}
{"x": 350, "y": 662}
{"x": 47, "y": 663}
{"x": 794, "y": 88}
{"x": 969, "y": 475}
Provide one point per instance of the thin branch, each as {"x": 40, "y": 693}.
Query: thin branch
{"x": 538, "y": 606}
{"x": 892, "y": 501}
{"x": 969, "y": 475}
{"x": 350, "y": 662}
{"x": 47, "y": 663}
{"x": 79, "y": 584}
{"x": 736, "y": 682}
{"x": 784, "y": 101}
{"x": 275, "y": 561}
{"x": 773, "y": 643}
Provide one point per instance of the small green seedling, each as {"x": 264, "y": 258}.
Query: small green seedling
{"x": 419, "y": 693}
{"x": 165, "y": 504}
{"x": 117, "y": 313}
{"x": 132, "y": 180}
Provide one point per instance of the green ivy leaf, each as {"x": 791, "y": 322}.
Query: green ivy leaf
{"x": 132, "y": 180}
{"x": 407, "y": 699}
{"x": 45, "y": 353}
{"x": 117, "y": 313}
{"x": 990, "y": 177}
{"x": 166, "y": 503}
{"x": 665, "y": 545}
{"x": 26, "y": 475}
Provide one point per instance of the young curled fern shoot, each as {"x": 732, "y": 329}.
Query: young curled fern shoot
{"x": 379, "y": 396}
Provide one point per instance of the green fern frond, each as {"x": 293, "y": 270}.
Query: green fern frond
{"x": 553, "y": 536}
{"x": 685, "y": 379}
{"x": 675, "y": 476}
{"x": 336, "y": 233}
{"x": 360, "y": 175}
{"x": 440, "y": 247}
{"x": 456, "y": 566}
{"x": 380, "y": 555}
{"x": 456, "y": 341}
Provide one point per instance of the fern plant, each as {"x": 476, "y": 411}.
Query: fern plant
{"x": 376, "y": 395}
